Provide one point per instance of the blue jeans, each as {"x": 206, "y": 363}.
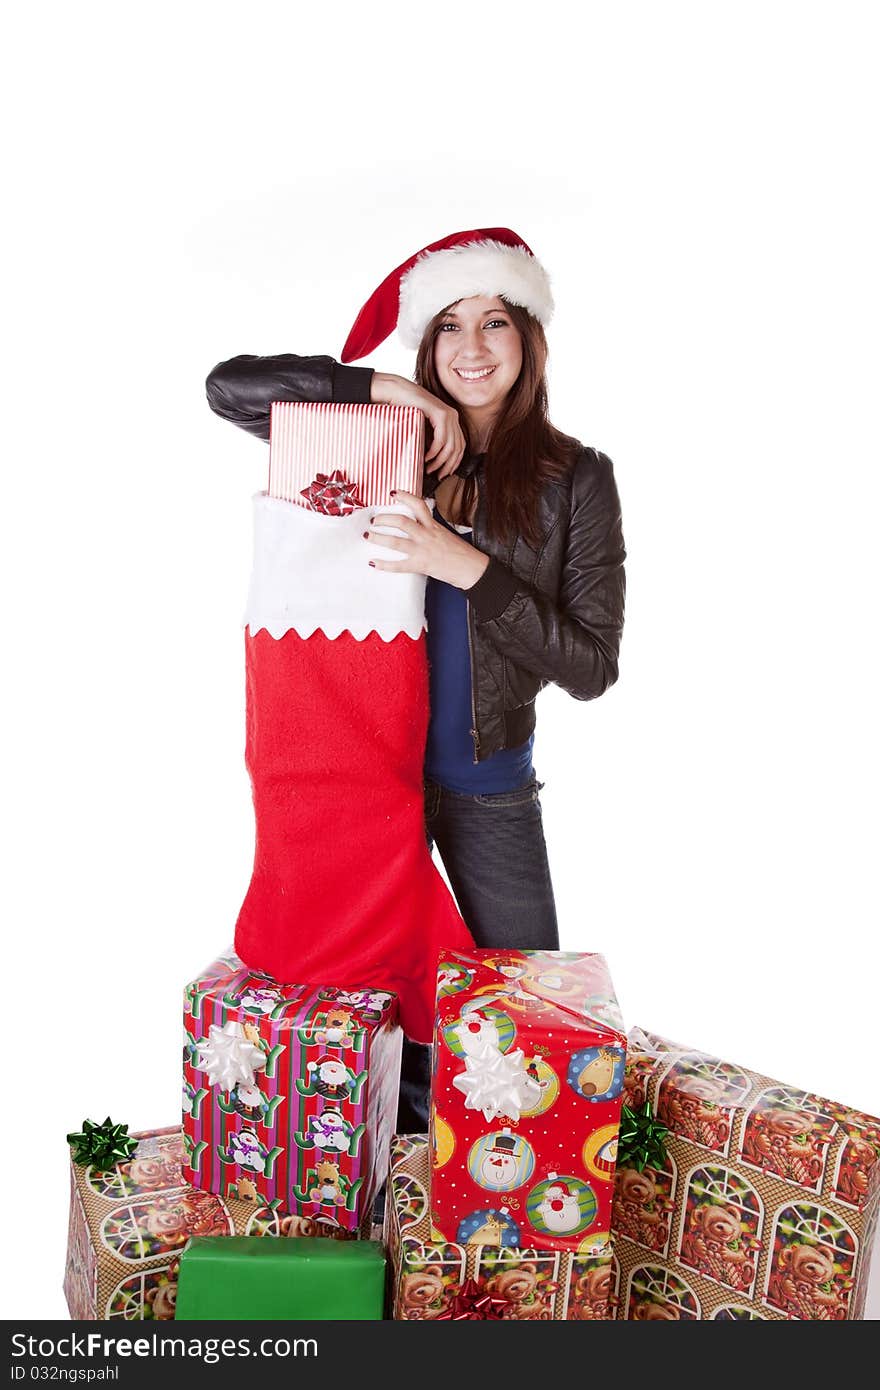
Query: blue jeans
{"x": 495, "y": 857}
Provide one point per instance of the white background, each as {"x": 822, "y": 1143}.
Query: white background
{"x": 190, "y": 182}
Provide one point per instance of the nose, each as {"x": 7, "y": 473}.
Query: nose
{"x": 470, "y": 343}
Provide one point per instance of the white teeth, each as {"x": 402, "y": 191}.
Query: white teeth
{"x": 474, "y": 376}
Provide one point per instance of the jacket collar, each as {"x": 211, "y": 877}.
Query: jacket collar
{"x": 471, "y": 463}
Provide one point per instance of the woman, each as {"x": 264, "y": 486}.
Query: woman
{"x": 523, "y": 552}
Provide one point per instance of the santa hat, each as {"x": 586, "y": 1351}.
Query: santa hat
{"x": 488, "y": 260}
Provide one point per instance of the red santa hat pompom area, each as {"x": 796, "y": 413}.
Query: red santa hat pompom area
{"x": 487, "y": 260}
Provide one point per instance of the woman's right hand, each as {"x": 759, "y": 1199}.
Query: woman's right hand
{"x": 448, "y": 443}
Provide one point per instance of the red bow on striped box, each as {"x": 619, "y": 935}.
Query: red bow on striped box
{"x": 336, "y": 458}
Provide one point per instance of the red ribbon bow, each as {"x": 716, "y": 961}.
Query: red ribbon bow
{"x": 472, "y": 1304}
{"x": 332, "y": 494}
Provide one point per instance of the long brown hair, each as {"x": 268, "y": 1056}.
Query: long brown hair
{"x": 525, "y": 451}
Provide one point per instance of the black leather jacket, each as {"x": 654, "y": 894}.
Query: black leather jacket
{"x": 554, "y": 613}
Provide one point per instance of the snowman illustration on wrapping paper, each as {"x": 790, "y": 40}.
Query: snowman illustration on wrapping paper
{"x": 245, "y": 1150}
{"x": 499, "y": 1165}
{"x": 256, "y": 999}
{"x": 331, "y": 1132}
{"x": 501, "y": 1161}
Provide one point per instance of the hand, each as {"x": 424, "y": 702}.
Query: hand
{"x": 428, "y": 547}
{"x": 447, "y": 445}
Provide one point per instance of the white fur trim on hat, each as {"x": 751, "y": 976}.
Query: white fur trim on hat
{"x": 482, "y": 267}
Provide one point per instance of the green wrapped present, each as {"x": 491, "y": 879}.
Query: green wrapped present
{"x": 245, "y": 1278}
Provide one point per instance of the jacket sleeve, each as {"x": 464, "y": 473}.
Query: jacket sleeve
{"x": 575, "y": 641}
{"x": 242, "y": 390}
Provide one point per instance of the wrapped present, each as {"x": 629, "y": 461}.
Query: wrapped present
{"x": 763, "y": 1205}
{"x": 335, "y": 458}
{"x": 130, "y": 1223}
{"x": 526, "y": 1095}
{"x": 289, "y": 1093}
{"x": 434, "y": 1279}
{"x": 246, "y": 1279}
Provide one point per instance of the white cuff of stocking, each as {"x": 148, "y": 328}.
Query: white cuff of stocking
{"x": 312, "y": 572}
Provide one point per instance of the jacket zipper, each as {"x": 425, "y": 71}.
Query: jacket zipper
{"x": 474, "y": 730}
{"x": 474, "y": 734}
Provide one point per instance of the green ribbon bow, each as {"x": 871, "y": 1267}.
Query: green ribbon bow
{"x": 103, "y": 1145}
{"x": 642, "y": 1142}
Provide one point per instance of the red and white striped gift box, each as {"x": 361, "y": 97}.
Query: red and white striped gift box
{"x": 334, "y": 458}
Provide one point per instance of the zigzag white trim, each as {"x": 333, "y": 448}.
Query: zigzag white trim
{"x": 311, "y": 572}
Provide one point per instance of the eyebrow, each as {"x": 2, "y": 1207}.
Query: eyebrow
{"x": 453, "y": 313}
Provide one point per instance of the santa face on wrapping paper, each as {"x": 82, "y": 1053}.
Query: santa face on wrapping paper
{"x": 248, "y": 1100}
{"x": 249, "y": 1093}
{"x": 331, "y": 1077}
{"x": 475, "y": 1034}
{"x": 452, "y": 978}
{"x": 559, "y": 1210}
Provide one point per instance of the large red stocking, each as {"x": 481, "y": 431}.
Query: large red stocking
{"x": 344, "y": 891}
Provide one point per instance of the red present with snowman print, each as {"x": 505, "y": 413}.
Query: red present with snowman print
{"x": 528, "y": 1075}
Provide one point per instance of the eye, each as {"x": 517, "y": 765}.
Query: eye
{"x": 497, "y": 323}
{"x": 444, "y": 326}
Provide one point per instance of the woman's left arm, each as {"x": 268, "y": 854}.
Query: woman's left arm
{"x": 575, "y": 641}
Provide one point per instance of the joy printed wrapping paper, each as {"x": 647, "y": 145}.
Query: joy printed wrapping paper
{"x": 526, "y": 1095}
{"x": 766, "y": 1205}
{"x": 289, "y": 1092}
{"x": 434, "y": 1279}
{"x": 130, "y": 1224}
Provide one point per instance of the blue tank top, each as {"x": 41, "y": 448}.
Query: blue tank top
{"x": 449, "y": 755}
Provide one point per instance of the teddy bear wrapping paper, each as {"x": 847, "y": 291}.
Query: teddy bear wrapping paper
{"x": 766, "y": 1205}
{"x": 431, "y": 1277}
{"x": 130, "y": 1224}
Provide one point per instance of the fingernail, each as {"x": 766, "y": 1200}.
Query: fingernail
{"x": 372, "y": 521}
{"x": 372, "y": 564}
{"x": 366, "y": 535}
{"x": 394, "y": 492}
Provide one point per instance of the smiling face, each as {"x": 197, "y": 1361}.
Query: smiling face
{"x": 478, "y": 357}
